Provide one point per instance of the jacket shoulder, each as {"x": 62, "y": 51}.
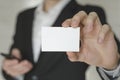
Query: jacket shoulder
{"x": 26, "y": 12}
{"x": 94, "y": 8}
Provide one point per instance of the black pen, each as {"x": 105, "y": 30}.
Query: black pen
{"x": 8, "y": 56}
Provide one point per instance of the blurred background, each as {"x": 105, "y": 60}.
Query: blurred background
{"x": 10, "y": 8}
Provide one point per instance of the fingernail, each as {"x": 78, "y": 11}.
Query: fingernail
{"x": 100, "y": 40}
{"x": 65, "y": 25}
{"x": 89, "y": 28}
{"x": 74, "y": 23}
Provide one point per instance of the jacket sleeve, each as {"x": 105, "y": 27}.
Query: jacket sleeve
{"x": 15, "y": 44}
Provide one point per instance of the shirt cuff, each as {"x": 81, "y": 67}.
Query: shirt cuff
{"x": 112, "y": 73}
{"x": 21, "y": 77}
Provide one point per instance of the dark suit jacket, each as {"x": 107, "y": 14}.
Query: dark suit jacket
{"x": 51, "y": 65}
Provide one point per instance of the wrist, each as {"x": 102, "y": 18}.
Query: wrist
{"x": 114, "y": 65}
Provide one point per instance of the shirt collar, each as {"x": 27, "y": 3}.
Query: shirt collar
{"x": 59, "y": 7}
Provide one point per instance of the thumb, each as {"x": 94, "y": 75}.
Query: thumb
{"x": 16, "y": 52}
{"x": 72, "y": 56}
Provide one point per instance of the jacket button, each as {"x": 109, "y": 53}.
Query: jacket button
{"x": 35, "y": 77}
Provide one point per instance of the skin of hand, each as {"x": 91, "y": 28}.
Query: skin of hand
{"x": 15, "y": 68}
{"x": 98, "y": 46}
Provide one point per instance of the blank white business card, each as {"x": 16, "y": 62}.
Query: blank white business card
{"x": 60, "y": 39}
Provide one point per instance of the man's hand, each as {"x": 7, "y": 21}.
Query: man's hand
{"x": 98, "y": 46}
{"x": 15, "y": 68}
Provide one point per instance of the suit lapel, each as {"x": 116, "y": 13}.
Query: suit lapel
{"x": 29, "y": 26}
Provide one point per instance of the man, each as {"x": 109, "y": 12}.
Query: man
{"x": 98, "y": 45}
{"x": 37, "y": 65}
